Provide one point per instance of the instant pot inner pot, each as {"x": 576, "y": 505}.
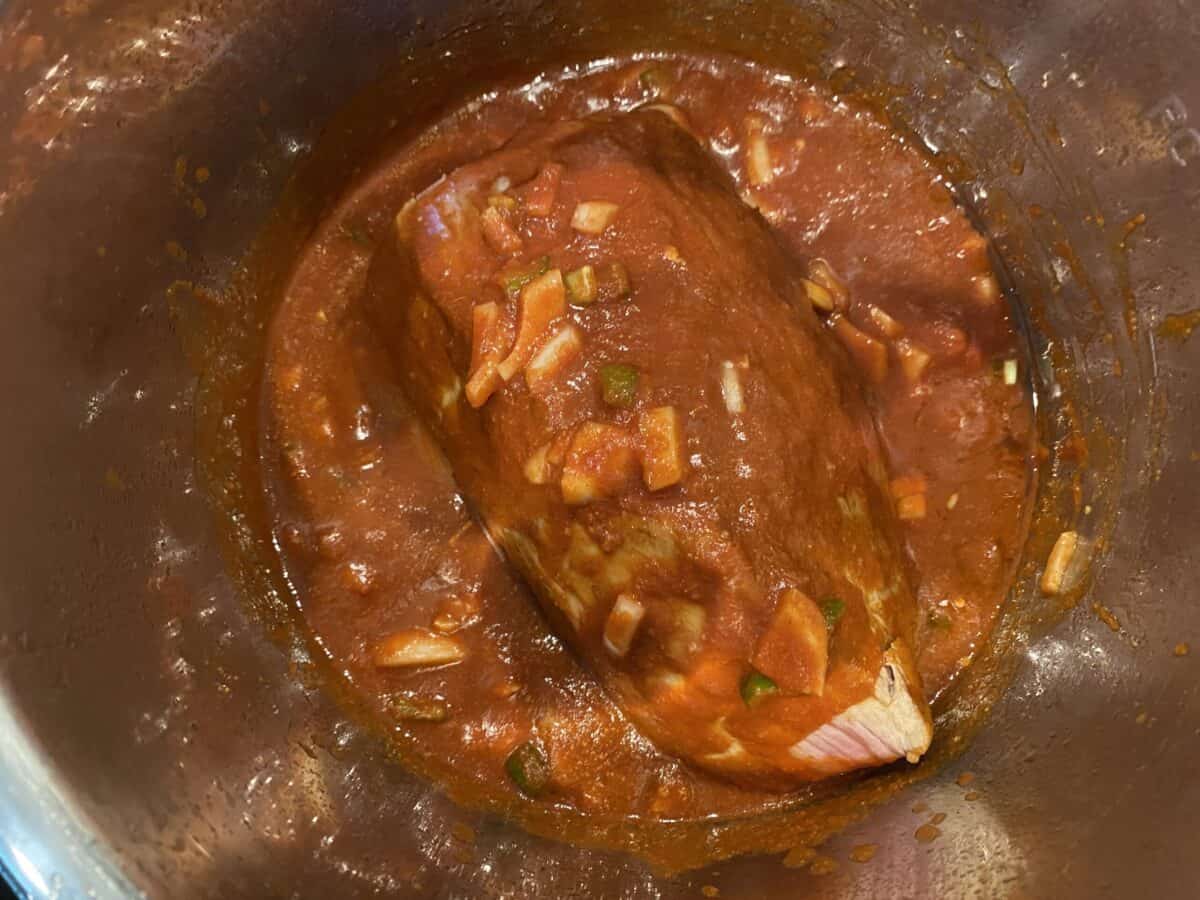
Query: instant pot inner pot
{"x": 157, "y": 729}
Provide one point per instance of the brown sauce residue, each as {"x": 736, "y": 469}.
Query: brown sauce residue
{"x": 927, "y": 833}
{"x": 864, "y": 853}
{"x": 376, "y": 537}
{"x": 1106, "y": 615}
{"x": 1180, "y": 327}
{"x": 823, "y": 865}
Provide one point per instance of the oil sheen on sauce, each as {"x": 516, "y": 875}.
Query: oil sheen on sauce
{"x": 377, "y": 539}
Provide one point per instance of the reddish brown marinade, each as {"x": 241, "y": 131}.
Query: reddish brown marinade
{"x": 382, "y": 547}
{"x": 652, "y": 421}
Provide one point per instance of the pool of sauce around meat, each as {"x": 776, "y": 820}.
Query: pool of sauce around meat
{"x": 376, "y": 537}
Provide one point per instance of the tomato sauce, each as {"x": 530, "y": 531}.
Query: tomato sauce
{"x": 377, "y": 537}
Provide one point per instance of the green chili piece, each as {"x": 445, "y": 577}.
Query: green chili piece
{"x": 832, "y": 608}
{"x": 357, "y": 234}
{"x": 514, "y": 279}
{"x": 582, "y": 288}
{"x": 657, "y": 80}
{"x": 614, "y": 282}
{"x": 528, "y": 768}
{"x": 755, "y": 686}
{"x": 618, "y": 384}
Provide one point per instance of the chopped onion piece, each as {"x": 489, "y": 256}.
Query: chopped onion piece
{"x": 731, "y": 388}
{"x": 913, "y": 359}
{"x": 887, "y": 326}
{"x": 541, "y": 193}
{"x": 768, "y": 209}
{"x": 542, "y": 301}
{"x": 562, "y": 347}
{"x": 578, "y": 487}
{"x": 911, "y": 507}
{"x": 760, "y": 168}
{"x": 985, "y": 288}
{"x": 622, "y": 624}
{"x": 600, "y": 462}
{"x": 593, "y": 216}
{"x": 485, "y": 323}
{"x": 501, "y": 184}
{"x": 759, "y": 165}
{"x": 457, "y": 612}
{"x": 974, "y": 245}
{"x": 818, "y": 295}
{"x": 869, "y": 353}
{"x": 1055, "y": 575}
{"x": 663, "y": 462}
{"x": 686, "y": 631}
{"x": 502, "y": 201}
{"x": 885, "y": 726}
{"x": 582, "y": 288}
{"x": 451, "y": 393}
{"x": 907, "y": 485}
{"x": 498, "y": 232}
{"x": 417, "y": 647}
{"x": 483, "y": 382}
{"x": 1010, "y": 371}
{"x": 558, "y": 448}
{"x": 664, "y": 682}
{"x": 537, "y": 467}
{"x": 674, "y": 113}
{"x": 487, "y": 339}
{"x": 793, "y": 651}
{"x": 821, "y": 272}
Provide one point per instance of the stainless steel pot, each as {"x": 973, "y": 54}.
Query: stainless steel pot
{"x": 154, "y": 737}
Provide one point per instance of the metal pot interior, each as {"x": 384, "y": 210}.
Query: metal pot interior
{"x": 157, "y": 729}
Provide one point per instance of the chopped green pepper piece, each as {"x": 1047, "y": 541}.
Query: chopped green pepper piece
{"x": 502, "y": 201}
{"x": 581, "y": 286}
{"x": 614, "y": 282}
{"x": 528, "y": 768}
{"x": 755, "y": 686}
{"x": 357, "y": 234}
{"x": 618, "y": 383}
{"x": 1006, "y": 369}
{"x": 832, "y": 608}
{"x": 939, "y": 621}
{"x": 655, "y": 79}
{"x": 416, "y": 709}
{"x": 513, "y": 280}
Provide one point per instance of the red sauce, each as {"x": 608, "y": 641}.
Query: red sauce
{"x": 378, "y": 539}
